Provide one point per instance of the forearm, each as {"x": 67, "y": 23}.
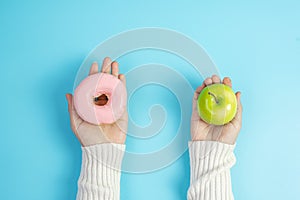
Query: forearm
{"x": 100, "y": 172}
{"x": 210, "y": 170}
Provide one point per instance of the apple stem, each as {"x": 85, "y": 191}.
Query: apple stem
{"x": 214, "y": 97}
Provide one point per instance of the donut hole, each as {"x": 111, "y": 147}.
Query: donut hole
{"x": 101, "y": 100}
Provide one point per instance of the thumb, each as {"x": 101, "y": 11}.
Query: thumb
{"x": 195, "y": 115}
{"x": 69, "y": 98}
{"x": 238, "y": 98}
{"x": 74, "y": 118}
{"x": 238, "y": 116}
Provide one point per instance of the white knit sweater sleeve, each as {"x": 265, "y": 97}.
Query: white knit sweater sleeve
{"x": 210, "y": 164}
{"x": 100, "y": 172}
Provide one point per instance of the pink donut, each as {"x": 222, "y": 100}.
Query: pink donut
{"x": 93, "y": 86}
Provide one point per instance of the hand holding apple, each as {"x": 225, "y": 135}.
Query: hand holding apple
{"x": 220, "y": 110}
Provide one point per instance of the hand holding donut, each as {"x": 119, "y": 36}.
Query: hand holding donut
{"x": 90, "y": 134}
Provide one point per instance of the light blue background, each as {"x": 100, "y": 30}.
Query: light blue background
{"x": 43, "y": 43}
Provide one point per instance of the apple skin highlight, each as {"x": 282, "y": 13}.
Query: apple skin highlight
{"x": 217, "y": 104}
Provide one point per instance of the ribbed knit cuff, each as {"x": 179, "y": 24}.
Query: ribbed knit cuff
{"x": 100, "y": 172}
{"x": 210, "y": 164}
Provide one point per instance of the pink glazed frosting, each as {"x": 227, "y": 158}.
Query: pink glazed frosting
{"x": 93, "y": 86}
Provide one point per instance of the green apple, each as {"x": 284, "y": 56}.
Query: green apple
{"x": 217, "y": 104}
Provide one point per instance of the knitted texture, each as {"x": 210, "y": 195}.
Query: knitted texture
{"x": 100, "y": 172}
{"x": 210, "y": 164}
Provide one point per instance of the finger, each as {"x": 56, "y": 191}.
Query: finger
{"x": 75, "y": 120}
{"x": 227, "y": 81}
{"x": 94, "y": 68}
{"x": 239, "y": 104}
{"x": 123, "y": 121}
{"x": 122, "y": 78}
{"x": 74, "y": 117}
{"x": 195, "y": 115}
{"x": 69, "y": 99}
{"x": 237, "y": 121}
{"x": 106, "y": 65}
{"x": 208, "y": 81}
{"x": 198, "y": 91}
{"x": 115, "y": 68}
{"x": 215, "y": 79}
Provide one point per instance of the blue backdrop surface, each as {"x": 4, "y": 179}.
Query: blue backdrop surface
{"x": 43, "y": 44}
